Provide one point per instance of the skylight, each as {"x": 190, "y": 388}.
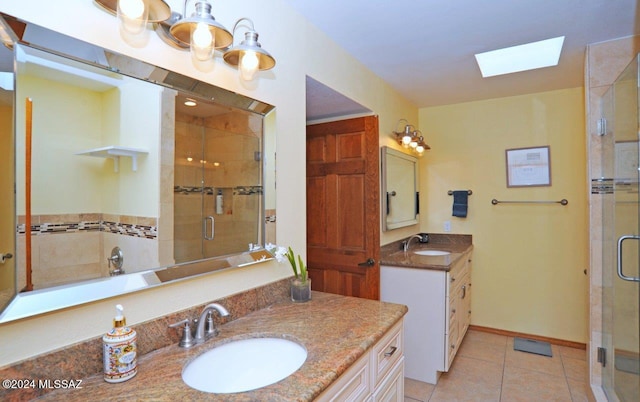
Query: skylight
{"x": 545, "y": 53}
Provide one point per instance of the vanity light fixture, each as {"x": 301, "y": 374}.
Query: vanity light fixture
{"x": 200, "y": 33}
{"x": 249, "y": 57}
{"x": 411, "y": 138}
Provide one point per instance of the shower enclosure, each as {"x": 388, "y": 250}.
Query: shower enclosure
{"x": 620, "y": 349}
{"x": 218, "y": 197}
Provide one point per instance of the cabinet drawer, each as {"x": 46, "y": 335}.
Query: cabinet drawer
{"x": 456, "y": 276}
{"x": 353, "y": 385}
{"x": 386, "y": 353}
{"x": 392, "y": 388}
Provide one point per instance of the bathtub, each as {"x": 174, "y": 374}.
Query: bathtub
{"x": 44, "y": 300}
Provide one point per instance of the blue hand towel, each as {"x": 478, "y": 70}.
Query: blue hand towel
{"x": 460, "y": 200}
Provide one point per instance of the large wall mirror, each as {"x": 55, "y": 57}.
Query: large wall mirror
{"x": 126, "y": 175}
{"x": 399, "y": 189}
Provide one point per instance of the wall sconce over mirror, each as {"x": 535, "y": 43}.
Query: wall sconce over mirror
{"x": 199, "y": 33}
{"x": 410, "y": 138}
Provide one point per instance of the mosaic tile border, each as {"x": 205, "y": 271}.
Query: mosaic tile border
{"x": 239, "y": 190}
{"x": 118, "y": 228}
{"x": 602, "y": 186}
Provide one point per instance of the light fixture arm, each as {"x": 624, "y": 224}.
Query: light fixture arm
{"x": 405, "y": 122}
{"x": 235, "y": 26}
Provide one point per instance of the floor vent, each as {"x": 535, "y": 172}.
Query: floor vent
{"x": 532, "y": 346}
{"x": 629, "y": 364}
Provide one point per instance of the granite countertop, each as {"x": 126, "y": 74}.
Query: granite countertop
{"x": 336, "y": 331}
{"x": 457, "y": 245}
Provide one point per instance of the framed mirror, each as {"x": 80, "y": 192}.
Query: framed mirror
{"x": 400, "y": 205}
{"x": 127, "y": 175}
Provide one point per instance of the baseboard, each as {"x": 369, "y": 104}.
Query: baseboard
{"x": 553, "y": 341}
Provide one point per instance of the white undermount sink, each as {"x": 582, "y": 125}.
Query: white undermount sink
{"x": 244, "y": 365}
{"x": 431, "y": 252}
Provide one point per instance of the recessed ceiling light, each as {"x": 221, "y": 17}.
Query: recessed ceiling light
{"x": 190, "y": 102}
{"x": 544, "y": 53}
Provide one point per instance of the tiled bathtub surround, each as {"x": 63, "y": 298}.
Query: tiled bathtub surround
{"x": 74, "y": 247}
{"x": 85, "y": 359}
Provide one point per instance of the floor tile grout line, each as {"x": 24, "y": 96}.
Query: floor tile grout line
{"x": 504, "y": 368}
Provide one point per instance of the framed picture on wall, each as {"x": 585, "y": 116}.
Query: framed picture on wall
{"x": 528, "y": 167}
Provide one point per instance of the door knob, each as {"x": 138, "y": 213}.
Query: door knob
{"x": 4, "y": 257}
{"x": 369, "y": 263}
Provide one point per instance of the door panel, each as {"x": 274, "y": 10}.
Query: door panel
{"x": 621, "y": 229}
{"x": 343, "y": 229}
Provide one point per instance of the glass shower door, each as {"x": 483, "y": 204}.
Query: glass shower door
{"x": 218, "y": 202}
{"x": 621, "y": 225}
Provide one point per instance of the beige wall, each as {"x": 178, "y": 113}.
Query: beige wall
{"x": 91, "y": 185}
{"x": 294, "y": 43}
{"x": 528, "y": 260}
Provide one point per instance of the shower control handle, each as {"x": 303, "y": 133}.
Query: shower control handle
{"x": 620, "y": 274}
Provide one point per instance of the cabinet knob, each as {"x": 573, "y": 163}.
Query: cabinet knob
{"x": 453, "y": 346}
{"x": 453, "y": 310}
{"x": 453, "y": 279}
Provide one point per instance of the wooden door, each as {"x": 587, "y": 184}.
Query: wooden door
{"x": 343, "y": 198}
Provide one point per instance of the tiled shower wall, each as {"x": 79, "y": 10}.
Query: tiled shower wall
{"x": 604, "y": 63}
{"x": 74, "y": 247}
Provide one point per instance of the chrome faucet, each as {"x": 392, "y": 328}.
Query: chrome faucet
{"x": 405, "y": 243}
{"x": 205, "y": 326}
{"x": 206, "y": 319}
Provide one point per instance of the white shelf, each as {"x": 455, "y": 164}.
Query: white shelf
{"x": 115, "y": 152}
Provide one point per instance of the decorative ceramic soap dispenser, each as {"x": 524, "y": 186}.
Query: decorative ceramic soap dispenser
{"x": 119, "y": 345}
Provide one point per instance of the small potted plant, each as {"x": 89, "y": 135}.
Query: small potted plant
{"x": 300, "y": 283}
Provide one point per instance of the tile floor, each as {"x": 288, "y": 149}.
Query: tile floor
{"x": 487, "y": 368}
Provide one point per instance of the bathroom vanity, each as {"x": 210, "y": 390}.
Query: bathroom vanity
{"x": 354, "y": 347}
{"x": 434, "y": 281}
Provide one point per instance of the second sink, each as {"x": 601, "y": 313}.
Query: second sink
{"x": 244, "y": 365}
{"x": 432, "y": 252}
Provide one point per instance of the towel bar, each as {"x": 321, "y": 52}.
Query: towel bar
{"x": 450, "y": 192}
{"x": 562, "y": 202}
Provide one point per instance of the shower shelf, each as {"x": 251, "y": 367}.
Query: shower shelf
{"x": 115, "y": 152}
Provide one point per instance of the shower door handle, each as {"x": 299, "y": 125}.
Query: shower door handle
{"x": 208, "y": 219}
{"x": 620, "y": 274}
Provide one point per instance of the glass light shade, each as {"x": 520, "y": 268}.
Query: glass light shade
{"x": 183, "y": 29}
{"x": 413, "y": 144}
{"x": 406, "y": 140}
{"x": 202, "y": 42}
{"x": 420, "y": 149}
{"x": 249, "y": 57}
{"x": 133, "y": 16}
{"x": 249, "y": 62}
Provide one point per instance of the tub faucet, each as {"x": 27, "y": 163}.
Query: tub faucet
{"x": 405, "y": 243}
{"x": 206, "y": 319}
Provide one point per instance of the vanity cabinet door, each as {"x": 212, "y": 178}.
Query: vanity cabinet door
{"x": 353, "y": 385}
{"x": 459, "y": 305}
{"x": 392, "y": 388}
{"x": 379, "y": 373}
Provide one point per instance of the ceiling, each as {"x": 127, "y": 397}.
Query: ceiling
{"x": 425, "y": 49}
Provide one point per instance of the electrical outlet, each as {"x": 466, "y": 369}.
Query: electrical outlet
{"x": 447, "y": 226}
